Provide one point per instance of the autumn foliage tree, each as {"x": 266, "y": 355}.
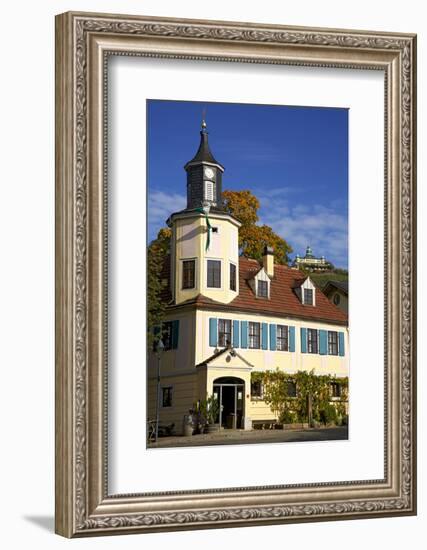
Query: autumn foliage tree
{"x": 156, "y": 254}
{"x": 252, "y": 237}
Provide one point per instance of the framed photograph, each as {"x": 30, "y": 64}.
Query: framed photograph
{"x": 235, "y": 274}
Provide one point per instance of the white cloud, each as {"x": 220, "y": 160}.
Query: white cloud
{"x": 322, "y": 227}
{"x": 160, "y": 206}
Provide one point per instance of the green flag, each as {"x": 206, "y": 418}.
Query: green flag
{"x": 208, "y": 225}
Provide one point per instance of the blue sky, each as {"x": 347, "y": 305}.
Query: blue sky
{"x": 294, "y": 159}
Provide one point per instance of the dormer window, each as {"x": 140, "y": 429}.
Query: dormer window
{"x": 308, "y": 296}
{"x": 262, "y": 289}
{"x": 260, "y": 284}
{"x": 306, "y": 292}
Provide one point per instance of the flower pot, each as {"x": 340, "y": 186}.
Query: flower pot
{"x": 211, "y": 428}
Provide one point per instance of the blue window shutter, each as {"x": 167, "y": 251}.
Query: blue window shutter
{"x": 236, "y": 334}
{"x": 303, "y": 340}
{"x": 213, "y": 332}
{"x": 341, "y": 344}
{"x": 273, "y": 335}
{"x": 323, "y": 342}
{"x": 291, "y": 338}
{"x": 175, "y": 334}
{"x": 244, "y": 332}
{"x": 264, "y": 335}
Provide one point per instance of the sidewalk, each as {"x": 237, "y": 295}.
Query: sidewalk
{"x": 235, "y": 437}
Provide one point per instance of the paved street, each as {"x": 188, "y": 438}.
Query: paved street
{"x": 234, "y": 437}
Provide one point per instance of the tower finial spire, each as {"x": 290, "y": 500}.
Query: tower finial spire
{"x": 204, "y": 125}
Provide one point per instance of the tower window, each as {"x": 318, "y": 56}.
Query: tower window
{"x": 233, "y": 284}
{"x": 209, "y": 190}
{"x": 188, "y": 273}
{"x": 214, "y": 274}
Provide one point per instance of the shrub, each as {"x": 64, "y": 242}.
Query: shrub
{"x": 288, "y": 417}
{"x": 328, "y": 414}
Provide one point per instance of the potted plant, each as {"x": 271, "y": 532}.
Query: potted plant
{"x": 209, "y": 409}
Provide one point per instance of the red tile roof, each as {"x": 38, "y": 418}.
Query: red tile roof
{"x": 283, "y": 300}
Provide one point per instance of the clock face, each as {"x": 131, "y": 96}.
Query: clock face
{"x": 209, "y": 173}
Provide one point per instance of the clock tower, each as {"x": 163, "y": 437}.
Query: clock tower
{"x": 204, "y": 176}
{"x": 205, "y": 238}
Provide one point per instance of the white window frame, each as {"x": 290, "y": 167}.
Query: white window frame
{"x": 257, "y": 288}
{"x": 287, "y": 337}
{"x": 304, "y": 290}
{"x": 317, "y": 341}
{"x": 162, "y": 388}
{"x": 231, "y": 332}
{"x": 259, "y": 334}
{"x": 307, "y": 284}
{"x": 335, "y": 397}
{"x": 182, "y": 260}
{"x": 210, "y": 184}
{"x": 288, "y": 383}
{"x": 257, "y": 397}
{"x": 229, "y": 278}
{"x": 221, "y": 274}
{"x": 337, "y": 343}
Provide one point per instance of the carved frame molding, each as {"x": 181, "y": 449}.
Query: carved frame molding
{"x": 83, "y": 43}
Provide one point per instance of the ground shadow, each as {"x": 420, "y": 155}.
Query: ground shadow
{"x": 45, "y": 522}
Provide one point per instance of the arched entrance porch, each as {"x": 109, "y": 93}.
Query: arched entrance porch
{"x": 230, "y": 393}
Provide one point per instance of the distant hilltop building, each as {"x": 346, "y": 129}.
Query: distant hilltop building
{"x": 311, "y": 263}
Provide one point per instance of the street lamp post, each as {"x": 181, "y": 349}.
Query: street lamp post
{"x": 206, "y": 206}
{"x": 160, "y": 348}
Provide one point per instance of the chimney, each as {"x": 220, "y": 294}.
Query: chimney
{"x": 268, "y": 260}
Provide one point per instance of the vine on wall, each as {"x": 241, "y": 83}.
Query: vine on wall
{"x": 289, "y": 396}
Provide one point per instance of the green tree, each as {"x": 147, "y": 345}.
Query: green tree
{"x": 244, "y": 206}
{"x": 156, "y": 254}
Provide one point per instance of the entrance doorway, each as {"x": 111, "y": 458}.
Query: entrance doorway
{"x": 230, "y": 392}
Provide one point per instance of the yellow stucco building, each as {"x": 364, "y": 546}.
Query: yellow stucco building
{"x": 229, "y": 316}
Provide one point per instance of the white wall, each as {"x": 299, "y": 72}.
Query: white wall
{"x": 27, "y": 268}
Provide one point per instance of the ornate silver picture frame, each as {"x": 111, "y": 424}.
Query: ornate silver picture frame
{"x": 84, "y": 42}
